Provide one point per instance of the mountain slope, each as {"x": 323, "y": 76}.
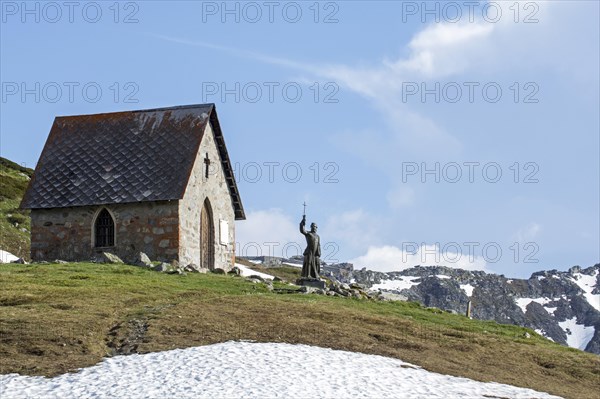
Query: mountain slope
{"x": 56, "y": 318}
{"x": 14, "y": 223}
{"x": 562, "y": 306}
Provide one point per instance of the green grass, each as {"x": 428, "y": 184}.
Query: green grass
{"x": 59, "y": 317}
{"x": 14, "y": 222}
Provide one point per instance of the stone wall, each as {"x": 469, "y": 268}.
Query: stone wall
{"x": 216, "y": 190}
{"x": 67, "y": 233}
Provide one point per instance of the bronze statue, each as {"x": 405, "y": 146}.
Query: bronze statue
{"x": 311, "y": 268}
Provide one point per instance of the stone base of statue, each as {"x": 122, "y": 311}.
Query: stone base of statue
{"x": 311, "y": 282}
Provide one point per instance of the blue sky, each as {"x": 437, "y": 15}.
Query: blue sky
{"x": 415, "y": 134}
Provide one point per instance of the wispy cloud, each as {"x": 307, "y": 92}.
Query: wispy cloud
{"x": 389, "y": 258}
{"x": 237, "y": 52}
{"x": 353, "y": 229}
{"x": 527, "y": 233}
{"x": 443, "y": 49}
{"x": 438, "y": 50}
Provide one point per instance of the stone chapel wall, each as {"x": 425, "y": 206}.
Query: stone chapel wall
{"x": 67, "y": 233}
{"x": 216, "y": 190}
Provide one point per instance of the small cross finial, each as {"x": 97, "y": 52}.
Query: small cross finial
{"x": 304, "y": 210}
{"x": 207, "y": 163}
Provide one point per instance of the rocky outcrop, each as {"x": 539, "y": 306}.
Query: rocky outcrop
{"x": 562, "y": 306}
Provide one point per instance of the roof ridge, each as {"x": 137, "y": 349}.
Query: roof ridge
{"x": 134, "y": 111}
{"x": 122, "y": 157}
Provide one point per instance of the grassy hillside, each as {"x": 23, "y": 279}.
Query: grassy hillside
{"x": 14, "y": 223}
{"x": 56, "y": 318}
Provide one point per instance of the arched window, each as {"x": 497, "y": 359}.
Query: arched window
{"x": 104, "y": 229}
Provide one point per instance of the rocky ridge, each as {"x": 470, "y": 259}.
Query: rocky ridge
{"x": 563, "y": 306}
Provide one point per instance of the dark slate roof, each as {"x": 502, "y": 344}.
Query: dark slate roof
{"x": 124, "y": 157}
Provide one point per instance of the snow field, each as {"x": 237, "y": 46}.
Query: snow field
{"x": 255, "y": 370}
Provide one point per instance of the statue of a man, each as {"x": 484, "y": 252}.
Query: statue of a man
{"x": 311, "y": 268}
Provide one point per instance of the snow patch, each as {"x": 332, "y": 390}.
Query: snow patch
{"x": 299, "y": 265}
{"x": 442, "y": 276}
{"x": 587, "y": 284}
{"x": 468, "y": 288}
{"x": 523, "y": 302}
{"x": 405, "y": 282}
{"x": 578, "y": 335}
{"x": 550, "y": 310}
{"x": 247, "y": 272}
{"x": 256, "y": 370}
{"x": 7, "y": 257}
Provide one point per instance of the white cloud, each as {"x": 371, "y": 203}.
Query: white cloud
{"x": 268, "y": 233}
{"x": 391, "y": 258}
{"x": 352, "y": 229}
{"x": 414, "y": 133}
{"x": 443, "y": 49}
{"x": 527, "y": 233}
{"x": 436, "y": 51}
{"x": 271, "y": 232}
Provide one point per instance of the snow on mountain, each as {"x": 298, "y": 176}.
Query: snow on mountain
{"x": 587, "y": 283}
{"x": 545, "y": 302}
{"x": 542, "y": 302}
{"x": 404, "y": 282}
{"x": 256, "y": 370}
{"x": 523, "y": 302}
{"x": 468, "y": 289}
{"x": 550, "y": 310}
{"x": 578, "y": 335}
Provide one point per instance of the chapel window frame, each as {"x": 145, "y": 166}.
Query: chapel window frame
{"x": 104, "y": 230}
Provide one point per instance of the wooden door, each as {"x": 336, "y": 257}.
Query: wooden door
{"x": 207, "y": 240}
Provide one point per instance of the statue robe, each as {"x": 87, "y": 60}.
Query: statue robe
{"x": 311, "y": 268}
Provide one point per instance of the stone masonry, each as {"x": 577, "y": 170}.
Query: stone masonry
{"x": 67, "y": 233}
{"x": 199, "y": 188}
